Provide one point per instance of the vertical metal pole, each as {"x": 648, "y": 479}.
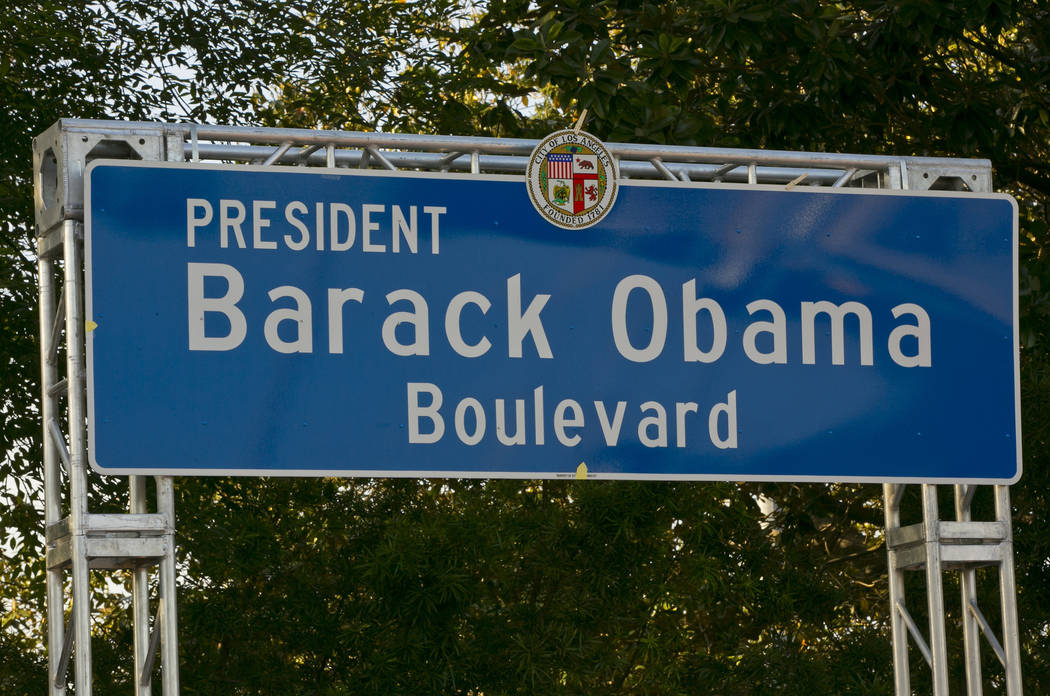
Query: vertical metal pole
{"x": 140, "y": 597}
{"x": 935, "y": 590}
{"x": 892, "y": 494}
{"x": 167, "y": 625}
{"x": 968, "y": 591}
{"x": 78, "y": 455}
{"x": 1008, "y": 595}
{"x": 56, "y": 596}
{"x": 901, "y": 674}
{"x": 169, "y": 620}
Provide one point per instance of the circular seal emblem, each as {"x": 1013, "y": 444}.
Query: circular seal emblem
{"x": 571, "y": 179}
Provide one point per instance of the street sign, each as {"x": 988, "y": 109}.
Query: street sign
{"x": 294, "y": 321}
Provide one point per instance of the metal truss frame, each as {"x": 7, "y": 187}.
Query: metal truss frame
{"x": 962, "y": 545}
{"x": 79, "y": 541}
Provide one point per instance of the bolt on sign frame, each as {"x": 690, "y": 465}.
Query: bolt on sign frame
{"x": 79, "y": 541}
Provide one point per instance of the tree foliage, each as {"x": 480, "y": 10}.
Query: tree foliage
{"x": 506, "y": 587}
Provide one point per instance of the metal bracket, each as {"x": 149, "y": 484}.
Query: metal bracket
{"x": 928, "y": 174}
{"x": 60, "y": 157}
{"x": 112, "y": 541}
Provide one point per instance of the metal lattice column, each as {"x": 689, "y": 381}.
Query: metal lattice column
{"x": 79, "y": 541}
{"x": 934, "y": 547}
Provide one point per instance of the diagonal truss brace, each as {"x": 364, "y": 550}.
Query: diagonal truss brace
{"x": 915, "y": 633}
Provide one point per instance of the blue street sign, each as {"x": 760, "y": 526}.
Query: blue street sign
{"x": 294, "y": 321}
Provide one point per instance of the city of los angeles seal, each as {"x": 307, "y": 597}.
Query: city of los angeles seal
{"x": 571, "y": 179}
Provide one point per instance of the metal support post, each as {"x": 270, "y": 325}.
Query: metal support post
{"x": 78, "y": 456}
{"x": 935, "y": 591}
{"x": 169, "y": 614}
{"x": 52, "y": 491}
{"x": 963, "y": 545}
{"x": 1008, "y": 594}
{"x": 77, "y": 540}
{"x": 968, "y": 593}
{"x": 901, "y": 674}
{"x": 140, "y": 601}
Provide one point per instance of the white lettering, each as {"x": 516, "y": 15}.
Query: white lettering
{"x": 319, "y": 225}
{"x": 452, "y": 325}
{"x": 680, "y": 410}
{"x": 417, "y": 412}
{"x": 474, "y": 405}
{"x": 228, "y": 222}
{"x": 401, "y": 227}
{"x": 611, "y": 431}
{"x": 435, "y": 212}
{"x": 729, "y": 409}
{"x": 777, "y": 327}
{"x": 418, "y": 319}
{"x": 691, "y": 306}
{"x": 259, "y": 223}
{"x": 199, "y": 305}
{"x": 192, "y": 221}
{"x": 659, "y": 421}
{"x": 334, "y": 210}
{"x": 300, "y": 316}
{"x": 836, "y": 315}
{"x": 520, "y": 325}
{"x": 561, "y": 422}
{"x": 304, "y": 233}
{"x": 367, "y": 227}
{"x": 619, "y": 318}
{"x": 336, "y": 299}
{"x": 518, "y": 438}
{"x": 537, "y": 409}
{"x": 921, "y": 332}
